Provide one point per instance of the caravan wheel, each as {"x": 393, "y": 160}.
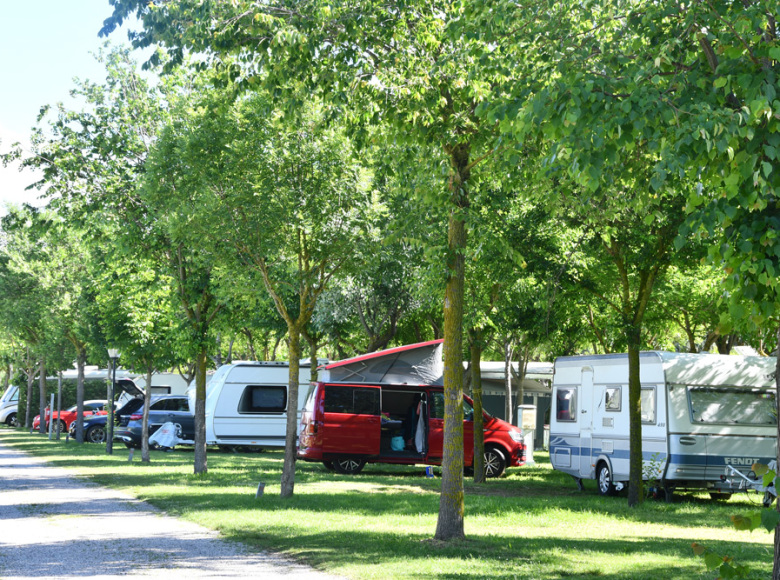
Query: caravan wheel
{"x": 604, "y": 480}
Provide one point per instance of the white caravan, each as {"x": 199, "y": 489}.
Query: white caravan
{"x": 8, "y": 406}
{"x": 246, "y": 403}
{"x": 703, "y": 416}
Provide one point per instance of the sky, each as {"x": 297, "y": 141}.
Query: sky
{"x": 44, "y": 45}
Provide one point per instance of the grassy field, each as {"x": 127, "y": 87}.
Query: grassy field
{"x": 532, "y": 524}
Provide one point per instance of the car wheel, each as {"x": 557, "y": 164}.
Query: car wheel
{"x": 61, "y": 427}
{"x": 11, "y": 420}
{"x": 95, "y": 434}
{"x": 604, "y": 479}
{"x": 349, "y": 466}
{"x": 495, "y": 462}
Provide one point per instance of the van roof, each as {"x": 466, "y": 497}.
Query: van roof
{"x": 419, "y": 363}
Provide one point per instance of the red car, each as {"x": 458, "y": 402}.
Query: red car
{"x": 66, "y": 418}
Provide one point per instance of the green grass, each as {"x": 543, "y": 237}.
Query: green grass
{"x": 532, "y": 524}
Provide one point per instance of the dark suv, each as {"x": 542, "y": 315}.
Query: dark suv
{"x": 168, "y": 408}
{"x": 95, "y": 427}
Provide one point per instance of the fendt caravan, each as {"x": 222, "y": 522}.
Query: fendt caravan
{"x": 247, "y": 403}
{"x": 702, "y": 415}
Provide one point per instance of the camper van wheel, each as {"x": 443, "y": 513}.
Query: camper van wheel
{"x": 604, "y": 478}
{"x": 349, "y": 466}
{"x": 329, "y": 465}
{"x": 495, "y": 462}
{"x": 717, "y": 495}
{"x": 768, "y": 499}
{"x": 11, "y": 420}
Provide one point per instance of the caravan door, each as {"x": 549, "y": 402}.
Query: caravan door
{"x": 589, "y": 404}
{"x": 352, "y": 422}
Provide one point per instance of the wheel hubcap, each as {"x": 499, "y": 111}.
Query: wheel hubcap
{"x": 604, "y": 479}
{"x": 349, "y": 465}
{"x": 491, "y": 463}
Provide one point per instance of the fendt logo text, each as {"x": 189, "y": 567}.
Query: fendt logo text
{"x": 740, "y": 460}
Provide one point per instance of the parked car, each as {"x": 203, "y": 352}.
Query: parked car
{"x": 64, "y": 419}
{"x": 172, "y": 408}
{"x": 95, "y": 427}
{"x": 8, "y": 406}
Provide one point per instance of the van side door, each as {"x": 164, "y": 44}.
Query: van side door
{"x": 351, "y": 421}
{"x": 436, "y": 429}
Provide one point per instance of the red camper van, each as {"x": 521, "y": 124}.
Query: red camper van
{"x": 388, "y": 407}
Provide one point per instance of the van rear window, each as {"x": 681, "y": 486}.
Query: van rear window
{"x": 263, "y": 399}
{"x": 353, "y": 400}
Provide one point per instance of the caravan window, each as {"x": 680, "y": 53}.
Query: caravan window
{"x": 263, "y": 399}
{"x": 732, "y": 405}
{"x": 566, "y": 404}
{"x": 647, "y": 400}
{"x": 353, "y": 400}
{"x": 612, "y": 399}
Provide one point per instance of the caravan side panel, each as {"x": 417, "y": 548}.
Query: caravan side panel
{"x": 250, "y": 407}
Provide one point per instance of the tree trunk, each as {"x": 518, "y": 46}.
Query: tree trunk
{"x": 81, "y": 360}
{"x": 635, "y": 484}
{"x": 145, "y": 457}
{"x": 451, "y": 502}
{"x": 42, "y": 400}
{"x": 200, "y": 412}
{"x": 314, "y": 359}
{"x": 288, "y": 471}
{"x": 28, "y": 402}
{"x": 476, "y": 392}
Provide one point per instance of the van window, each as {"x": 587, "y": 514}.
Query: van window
{"x": 353, "y": 400}
{"x": 263, "y": 399}
{"x": 566, "y": 404}
{"x": 647, "y": 402}
{"x": 437, "y": 407}
{"x": 612, "y": 399}
{"x": 732, "y": 405}
{"x": 311, "y": 397}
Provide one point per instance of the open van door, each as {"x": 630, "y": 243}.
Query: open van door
{"x": 352, "y": 422}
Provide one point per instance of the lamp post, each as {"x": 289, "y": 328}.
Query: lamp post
{"x": 113, "y": 354}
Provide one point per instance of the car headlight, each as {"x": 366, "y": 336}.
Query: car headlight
{"x": 516, "y": 436}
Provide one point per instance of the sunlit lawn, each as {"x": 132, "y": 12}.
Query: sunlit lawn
{"x": 379, "y": 524}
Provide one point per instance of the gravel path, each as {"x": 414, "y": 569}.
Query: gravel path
{"x": 58, "y": 526}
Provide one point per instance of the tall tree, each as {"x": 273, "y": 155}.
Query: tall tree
{"x": 399, "y": 64}
{"x": 290, "y": 201}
